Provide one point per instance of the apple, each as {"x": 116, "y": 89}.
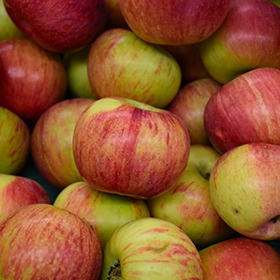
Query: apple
{"x": 32, "y": 79}
{"x": 59, "y": 28}
{"x": 17, "y": 192}
{"x": 276, "y": 2}
{"x": 8, "y": 28}
{"x": 51, "y": 141}
{"x": 245, "y": 190}
{"x": 240, "y": 258}
{"x": 188, "y": 203}
{"x": 41, "y": 241}
{"x": 237, "y": 47}
{"x": 115, "y": 18}
{"x": 14, "y": 142}
{"x": 189, "y": 104}
{"x": 150, "y": 248}
{"x": 77, "y": 74}
{"x": 174, "y": 22}
{"x": 245, "y": 110}
{"x": 121, "y": 64}
{"x": 127, "y": 147}
{"x": 105, "y": 212}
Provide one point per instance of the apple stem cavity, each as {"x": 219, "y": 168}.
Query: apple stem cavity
{"x": 275, "y": 219}
{"x": 115, "y": 272}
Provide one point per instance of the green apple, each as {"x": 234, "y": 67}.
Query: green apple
{"x": 77, "y": 74}
{"x": 121, "y": 64}
{"x": 8, "y": 28}
{"x": 240, "y": 258}
{"x": 188, "y": 203}
{"x": 150, "y": 248}
{"x": 104, "y": 211}
{"x": 245, "y": 189}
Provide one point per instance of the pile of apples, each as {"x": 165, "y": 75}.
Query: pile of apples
{"x": 156, "y": 124}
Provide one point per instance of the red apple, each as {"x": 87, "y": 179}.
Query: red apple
{"x": 189, "y": 104}
{"x": 248, "y": 38}
{"x": 63, "y": 27}
{"x": 121, "y": 64}
{"x": 41, "y": 241}
{"x": 17, "y": 192}
{"x": 245, "y": 110}
{"x": 105, "y": 212}
{"x": 240, "y": 258}
{"x": 14, "y": 142}
{"x": 51, "y": 141}
{"x": 32, "y": 79}
{"x": 174, "y": 22}
{"x": 127, "y": 147}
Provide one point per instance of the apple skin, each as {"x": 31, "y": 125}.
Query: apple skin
{"x": 17, "y": 192}
{"x": 150, "y": 248}
{"x": 54, "y": 27}
{"x": 14, "y": 142}
{"x": 245, "y": 190}
{"x": 105, "y": 212}
{"x": 43, "y": 236}
{"x": 32, "y": 79}
{"x": 240, "y": 258}
{"x": 8, "y": 28}
{"x": 188, "y": 203}
{"x": 237, "y": 47}
{"x": 51, "y": 141}
{"x": 77, "y": 74}
{"x": 174, "y": 22}
{"x": 121, "y": 64}
{"x": 245, "y": 110}
{"x": 127, "y": 147}
{"x": 189, "y": 104}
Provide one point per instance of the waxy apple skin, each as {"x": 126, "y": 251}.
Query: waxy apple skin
{"x": 174, "y": 22}
{"x": 128, "y": 147}
{"x": 237, "y": 47}
{"x": 189, "y": 104}
{"x": 240, "y": 258}
{"x": 51, "y": 141}
{"x": 17, "y": 192}
{"x": 245, "y": 190}
{"x": 104, "y": 211}
{"x": 41, "y": 241}
{"x": 188, "y": 203}
{"x": 32, "y": 79}
{"x": 121, "y": 64}
{"x": 245, "y": 110}
{"x": 150, "y": 248}
{"x": 59, "y": 27}
{"x": 14, "y": 142}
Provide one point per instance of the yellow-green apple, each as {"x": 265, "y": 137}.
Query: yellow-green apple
{"x": 245, "y": 189}
{"x": 150, "y": 248}
{"x": 62, "y": 27}
{"x": 14, "y": 142}
{"x": 32, "y": 79}
{"x": 174, "y": 22}
{"x": 77, "y": 74}
{"x": 189, "y": 104}
{"x": 127, "y": 147}
{"x": 188, "y": 203}
{"x": 245, "y": 110}
{"x": 188, "y": 57}
{"x": 115, "y": 17}
{"x": 240, "y": 258}
{"x": 276, "y": 2}
{"x": 105, "y": 212}
{"x": 237, "y": 47}
{"x": 121, "y": 64}
{"x": 8, "y": 28}
{"x": 51, "y": 141}
{"x": 17, "y": 192}
{"x": 41, "y": 241}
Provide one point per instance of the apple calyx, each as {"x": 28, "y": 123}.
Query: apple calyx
{"x": 115, "y": 272}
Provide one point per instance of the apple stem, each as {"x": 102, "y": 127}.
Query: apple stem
{"x": 115, "y": 272}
